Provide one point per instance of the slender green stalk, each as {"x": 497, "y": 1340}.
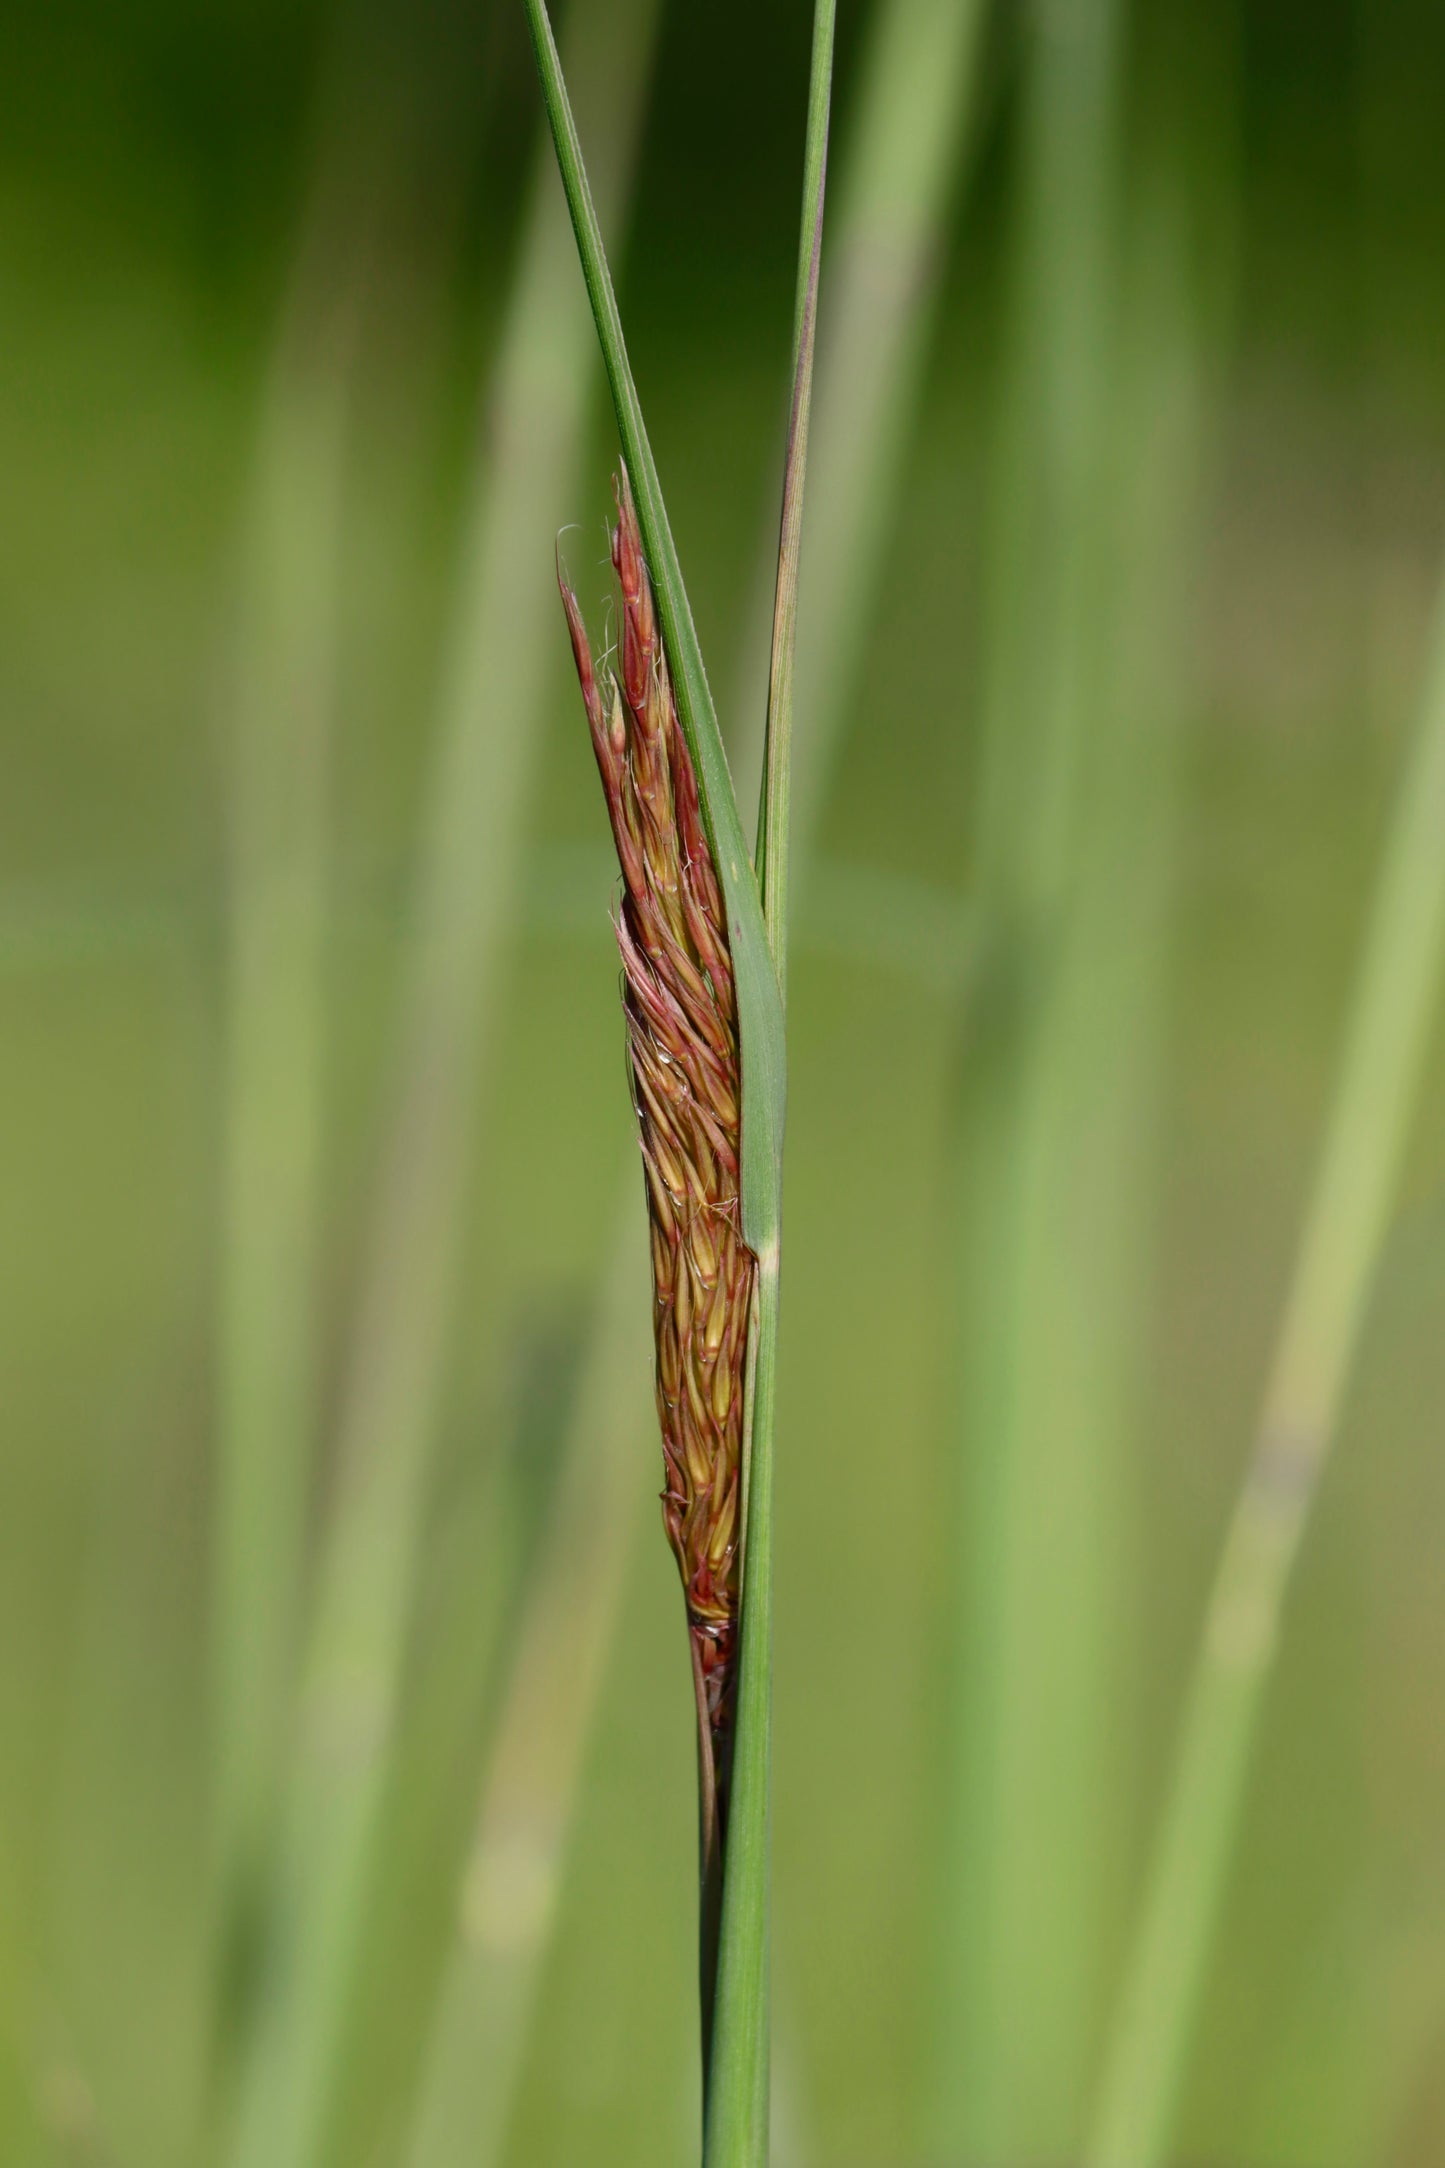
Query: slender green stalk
{"x": 774, "y": 811}
{"x": 738, "y": 2073}
{"x": 495, "y": 669}
{"x": 1349, "y": 1213}
{"x": 281, "y": 724}
{"x": 737, "y": 2092}
{"x": 903, "y": 152}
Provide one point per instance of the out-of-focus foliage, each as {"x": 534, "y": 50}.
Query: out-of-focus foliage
{"x": 1273, "y": 232}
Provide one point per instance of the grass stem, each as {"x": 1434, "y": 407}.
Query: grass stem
{"x": 737, "y": 2117}
{"x": 737, "y": 2080}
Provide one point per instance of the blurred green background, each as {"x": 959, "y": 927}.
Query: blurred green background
{"x": 345, "y": 1737}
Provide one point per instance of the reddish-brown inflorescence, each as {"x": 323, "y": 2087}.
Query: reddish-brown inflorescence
{"x": 683, "y": 1040}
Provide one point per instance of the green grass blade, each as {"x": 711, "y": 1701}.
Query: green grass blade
{"x": 886, "y": 244}
{"x": 760, "y": 1008}
{"x": 496, "y": 668}
{"x": 269, "y": 1328}
{"x": 774, "y": 810}
{"x": 916, "y": 95}
{"x": 737, "y": 2113}
{"x": 1066, "y": 850}
{"x": 1375, "y": 1103}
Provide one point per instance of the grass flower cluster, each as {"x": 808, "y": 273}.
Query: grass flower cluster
{"x": 683, "y": 1041}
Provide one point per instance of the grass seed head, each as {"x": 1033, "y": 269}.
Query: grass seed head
{"x": 683, "y": 1040}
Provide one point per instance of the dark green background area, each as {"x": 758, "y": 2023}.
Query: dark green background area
{"x": 153, "y": 164}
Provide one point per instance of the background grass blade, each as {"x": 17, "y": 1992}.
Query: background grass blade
{"x": 1056, "y": 1049}
{"x": 1376, "y": 1101}
{"x": 496, "y": 665}
{"x": 1056, "y": 1115}
{"x": 513, "y": 1873}
{"x": 282, "y": 698}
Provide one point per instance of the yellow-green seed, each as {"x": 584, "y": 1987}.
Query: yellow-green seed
{"x": 722, "y": 1392}
{"x": 716, "y": 1326}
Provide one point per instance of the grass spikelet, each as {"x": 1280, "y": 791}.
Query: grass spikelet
{"x": 682, "y": 1033}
